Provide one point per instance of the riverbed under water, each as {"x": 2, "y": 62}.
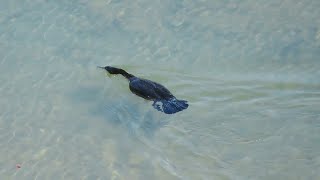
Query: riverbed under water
{"x": 249, "y": 69}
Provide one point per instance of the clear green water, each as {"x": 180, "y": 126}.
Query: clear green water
{"x": 249, "y": 69}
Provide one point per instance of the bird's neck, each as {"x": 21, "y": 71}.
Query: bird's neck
{"x": 125, "y": 74}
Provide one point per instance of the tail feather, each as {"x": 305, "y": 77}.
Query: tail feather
{"x": 171, "y": 106}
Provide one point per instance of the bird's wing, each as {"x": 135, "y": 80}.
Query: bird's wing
{"x": 143, "y": 89}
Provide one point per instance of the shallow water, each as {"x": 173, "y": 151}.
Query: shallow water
{"x": 250, "y": 71}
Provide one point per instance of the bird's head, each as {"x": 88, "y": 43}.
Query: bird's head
{"x": 111, "y": 70}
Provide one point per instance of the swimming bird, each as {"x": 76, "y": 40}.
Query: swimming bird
{"x": 152, "y": 91}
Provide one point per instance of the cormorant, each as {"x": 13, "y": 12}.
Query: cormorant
{"x": 151, "y": 91}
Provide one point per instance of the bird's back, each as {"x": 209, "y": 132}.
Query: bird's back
{"x": 148, "y": 89}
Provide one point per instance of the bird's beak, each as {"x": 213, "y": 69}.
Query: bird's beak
{"x": 100, "y": 67}
{"x": 109, "y": 75}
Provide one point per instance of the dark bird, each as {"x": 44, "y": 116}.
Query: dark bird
{"x": 151, "y": 91}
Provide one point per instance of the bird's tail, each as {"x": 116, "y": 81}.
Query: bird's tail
{"x": 171, "y": 106}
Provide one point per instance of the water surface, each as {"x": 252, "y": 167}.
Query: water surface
{"x": 250, "y": 71}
